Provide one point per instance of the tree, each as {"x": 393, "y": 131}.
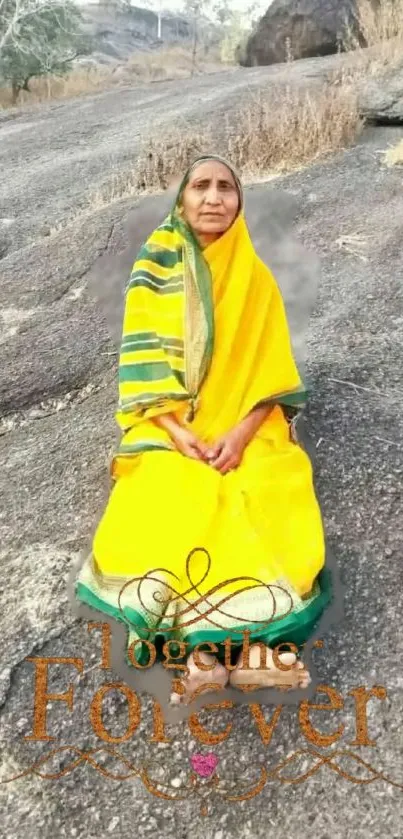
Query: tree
{"x": 235, "y": 34}
{"x": 254, "y": 14}
{"x": 196, "y": 10}
{"x": 222, "y": 12}
{"x": 236, "y": 26}
{"x": 37, "y": 38}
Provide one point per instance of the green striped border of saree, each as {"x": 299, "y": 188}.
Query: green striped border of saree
{"x": 295, "y": 628}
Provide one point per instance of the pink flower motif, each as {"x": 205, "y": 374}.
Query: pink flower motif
{"x": 204, "y": 765}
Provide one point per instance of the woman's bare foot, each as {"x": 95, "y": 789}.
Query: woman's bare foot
{"x": 273, "y": 677}
{"x": 196, "y": 677}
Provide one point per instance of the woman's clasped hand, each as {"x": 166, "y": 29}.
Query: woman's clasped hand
{"x": 224, "y": 455}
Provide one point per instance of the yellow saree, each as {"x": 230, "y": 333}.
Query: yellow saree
{"x": 182, "y": 552}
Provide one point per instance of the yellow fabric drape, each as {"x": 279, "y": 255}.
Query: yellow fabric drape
{"x": 252, "y": 359}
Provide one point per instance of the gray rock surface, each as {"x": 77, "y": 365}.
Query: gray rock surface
{"x": 119, "y": 33}
{"x": 312, "y": 27}
{"x": 381, "y": 99}
{"x": 58, "y": 390}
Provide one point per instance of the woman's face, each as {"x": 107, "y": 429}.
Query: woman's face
{"x": 210, "y": 201}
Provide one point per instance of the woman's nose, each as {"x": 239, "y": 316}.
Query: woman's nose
{"x": 212, "y": 196}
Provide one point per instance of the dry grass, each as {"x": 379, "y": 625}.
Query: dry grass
{"x": 270, "y": 134}
{"x": 378, "y": 40}
{"x": 378, "y": 22}
{"x": 53, "y": 87}
{"x": 168, "y": 63}
{"x": 394, "y": 155}
{"x": 293, "y": 128}
{"x": 171, "y": 63}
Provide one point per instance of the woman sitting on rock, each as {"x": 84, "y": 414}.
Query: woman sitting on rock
{"x": 212, "y": 530}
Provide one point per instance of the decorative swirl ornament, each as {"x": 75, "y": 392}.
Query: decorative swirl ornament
{"x": 204, "y": 781}
{"x": 174, "y": 597}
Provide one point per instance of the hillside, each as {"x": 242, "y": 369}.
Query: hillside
{"x": 121, "y": 34}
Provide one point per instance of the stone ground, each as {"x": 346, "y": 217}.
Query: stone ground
{"x": 57, "y": 395}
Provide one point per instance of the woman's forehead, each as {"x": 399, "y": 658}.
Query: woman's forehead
{"x": 211, "y": 170}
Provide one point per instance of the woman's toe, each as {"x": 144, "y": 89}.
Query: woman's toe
{"x": 220, "y": 675}
{"x": 288, "y": 659}
{"x": 305, "y": 679}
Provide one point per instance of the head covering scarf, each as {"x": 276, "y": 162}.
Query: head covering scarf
{"x": 176, "y": 293}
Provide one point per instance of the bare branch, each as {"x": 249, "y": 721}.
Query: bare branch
{"x": 21, "y": 11}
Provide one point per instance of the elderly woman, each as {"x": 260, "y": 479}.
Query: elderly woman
{"x": 212, "y": 534}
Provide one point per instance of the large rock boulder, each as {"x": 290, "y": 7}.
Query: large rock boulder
{"x": 381, "y": 99}
{"x": 302, "y": 28}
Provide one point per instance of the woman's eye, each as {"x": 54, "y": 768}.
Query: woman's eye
{"x": 221, "y": 188}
